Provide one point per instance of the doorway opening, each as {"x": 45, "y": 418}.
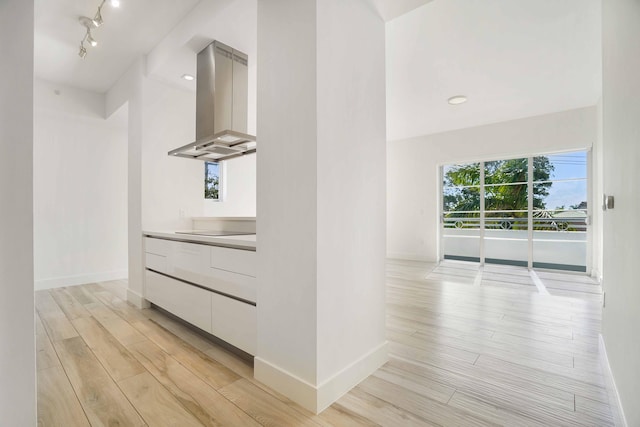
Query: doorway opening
{"x": 527, "y": 211}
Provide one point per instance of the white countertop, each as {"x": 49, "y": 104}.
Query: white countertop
{"x": 224, "y": 218}
{"x": 242, "y": 241}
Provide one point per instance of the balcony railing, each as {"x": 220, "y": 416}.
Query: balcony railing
{"x": 571, "y": 220}
{"x": 559, "y": 238}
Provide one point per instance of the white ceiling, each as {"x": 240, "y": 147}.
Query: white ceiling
{"x": 391, "y": 9}
{"x": 139, "y": 27}
{"x": 128, "y": 32}
{"x": 511, "y": 58}
{"x": 233, "y": 22}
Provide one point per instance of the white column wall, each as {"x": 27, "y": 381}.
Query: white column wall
{"x": 413, "y": 177}
{"x": 351, "y": 158}
{"x": 321, "y": 209}
{"x": 133, "y": 80}
{"x": 17, "y": 335}
{"x": 287, "y": 182}
{"x": 621, "y": 113}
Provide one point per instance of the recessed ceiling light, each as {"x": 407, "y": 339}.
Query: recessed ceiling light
{"x": 457, "y": 100}
{"x": 188, "y": 77}
{"x": 115, "y": 3}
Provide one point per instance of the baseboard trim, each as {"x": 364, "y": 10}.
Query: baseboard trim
{"x": 286, "y": 383}
{"x": 81, "y": 279}
{"x": 136, "y": 299}
{"x": 318, "y": 398}
{"x": 340, "y": 383}
{"x": 614, "y": 398}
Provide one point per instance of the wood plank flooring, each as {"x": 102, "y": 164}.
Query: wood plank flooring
{"x": 575, "y": 285}
{"x": 465, "y": 351}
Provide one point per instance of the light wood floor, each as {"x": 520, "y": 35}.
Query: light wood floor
{"x": 461, "y": 355}
{"x": 547, "y": 282}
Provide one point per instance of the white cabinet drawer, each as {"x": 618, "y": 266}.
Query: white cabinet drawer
{"x": 156, "y": 262}
{"x": 234, "y": 260}
{"x": 237, "y": 285}
{"x": 189, "y": 261}
{"x": 188, "y": 302}
{"x": 157, "y": 246}
{"x": 235, "y": 322}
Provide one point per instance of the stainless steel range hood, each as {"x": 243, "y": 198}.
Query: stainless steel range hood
{"x": 221, "y": 106}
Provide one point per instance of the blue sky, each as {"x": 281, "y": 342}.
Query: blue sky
{"x": 212, "y": 169}
{"x": 569, "y": 165}
{"x": 567, "y": 193}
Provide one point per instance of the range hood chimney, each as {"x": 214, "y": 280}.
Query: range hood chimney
{"x": 221, "y": 106}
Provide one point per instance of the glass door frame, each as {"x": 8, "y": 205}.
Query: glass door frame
{"x": 530, "y": 200}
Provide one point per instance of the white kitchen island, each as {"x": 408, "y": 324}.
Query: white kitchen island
{"x": 209, "y": 281}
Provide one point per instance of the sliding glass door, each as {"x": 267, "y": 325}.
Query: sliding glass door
{"x": 461, "y": 205}
{"x": 525, "y": 211}
{"x": 560, "y": 224}
{"x": 506, "y": 201}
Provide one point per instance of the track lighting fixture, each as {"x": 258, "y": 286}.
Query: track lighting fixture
{"x": 97, "y": 20}
{"x": 90, "y": 24}
{"x": 90, "y": 39}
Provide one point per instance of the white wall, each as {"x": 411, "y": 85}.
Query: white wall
{"x": 172, "y": 188}
{"x": 413, "y": 177}
{"x": 163, "y": 192}
{"x": 239, "y": 189}
{"x": 621, "y": 113}
{"x": 233, "y": 23}
{"x": 321, "y": 210}
{"x": 17, "y": 335}
{"x": 80, "y": 175}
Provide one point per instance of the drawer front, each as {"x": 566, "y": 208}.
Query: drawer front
{"x": 185, "y": 301}
{"x": 189, "y": 261}
{"x": 235, "y": 322}
{"x": 189, "y": 256}
{"x": 156, "y": 262}
{"x": 157, "y": 246}
{"x": 234, "y": 260}
{"x": 235, "y": 284}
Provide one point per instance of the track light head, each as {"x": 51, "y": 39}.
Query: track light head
{"x": 91, "y": 24}
{"x": 91, "y": 40}
{"x": 97, "y": 20}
